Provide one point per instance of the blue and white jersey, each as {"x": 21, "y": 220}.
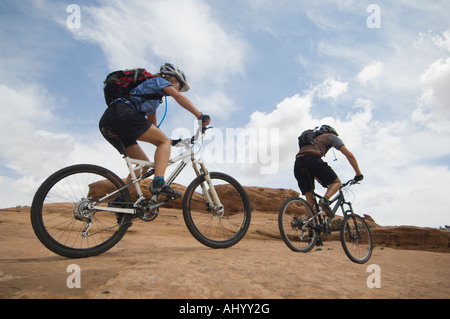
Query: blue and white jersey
{"x": 151, "y": 86}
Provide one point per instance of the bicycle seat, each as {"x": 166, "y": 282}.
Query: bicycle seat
{"x": 109, "y": 132}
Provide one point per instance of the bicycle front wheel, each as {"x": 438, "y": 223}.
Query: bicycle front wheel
{"x": 296, "y": 225}
{"x": 63, "y": 218}
{"x": 217, "y": 227}
{"x": 356, "y": 239}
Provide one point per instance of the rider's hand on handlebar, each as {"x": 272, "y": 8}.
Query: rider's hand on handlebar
{"x": 359, "y": 178}
{"x": 206, "y": 119}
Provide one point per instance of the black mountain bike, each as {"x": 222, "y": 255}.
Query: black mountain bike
{"x": 301, "y": 226}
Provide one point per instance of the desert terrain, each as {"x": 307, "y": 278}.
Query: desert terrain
{"x": 161, "y": 260}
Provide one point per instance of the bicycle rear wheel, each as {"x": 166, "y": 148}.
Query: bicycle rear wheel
{"x": 356, "y": 239}
{"x": 62, "y": 217}
{"x": 217, "y": 227}
{"x": 296, "y": 225}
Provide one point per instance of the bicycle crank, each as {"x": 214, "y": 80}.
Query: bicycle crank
{"x": 148, "y": 210}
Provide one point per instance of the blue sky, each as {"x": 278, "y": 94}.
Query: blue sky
{"x": 267, "y": 69}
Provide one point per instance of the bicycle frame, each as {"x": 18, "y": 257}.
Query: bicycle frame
{"x": 340, "y": 202}
{"x": 140, "y": 165}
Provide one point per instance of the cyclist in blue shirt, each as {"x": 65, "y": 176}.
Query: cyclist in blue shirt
{"x": 134, "y": 119}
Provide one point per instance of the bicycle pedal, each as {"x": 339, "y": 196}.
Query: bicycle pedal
{"x": 171, "y": 197}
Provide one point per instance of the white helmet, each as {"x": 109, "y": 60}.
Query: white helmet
{"x": 170, "y": 69}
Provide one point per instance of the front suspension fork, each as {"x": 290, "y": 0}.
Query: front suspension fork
{"x": 212, "y": 199}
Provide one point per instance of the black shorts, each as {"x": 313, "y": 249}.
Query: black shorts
{"x": 316, "y": 168}
{"x": 126, "y": 122}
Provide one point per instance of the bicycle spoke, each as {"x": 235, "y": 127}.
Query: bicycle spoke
{"x": 356, "y": 239}
{"x": 214, "y": 226}
{"x": 61, "y": 216}
{"x": 296, "y": 225}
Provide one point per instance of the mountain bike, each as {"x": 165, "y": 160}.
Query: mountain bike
{"x": 85, "y": 210}
{"x": 301, "y": 226}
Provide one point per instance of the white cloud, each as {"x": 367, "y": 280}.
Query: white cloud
{"x": 34, "y": 144}
{"x": 183, "y": 32}
{"x": 443, "y": 40}
{"x": 370, "y": 72}
{"x": 27, "y": 147}
{"x": 217, "y": 103}
{"x": 179, "y": 31}
{"x": 331, "y": 88}
{"x": 408, "y": 195}
{"x": 26, "y": 117}
{"x": 433, "y": 106}
{"x": 289, "y": 117}
{"x": 35, "y": 141}
{"x": 393, "y": 156}
{"x": 437, "y": 83}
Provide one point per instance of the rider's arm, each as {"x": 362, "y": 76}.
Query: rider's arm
{"x": 351, "y": 159}
{"x": 182, "y": 100}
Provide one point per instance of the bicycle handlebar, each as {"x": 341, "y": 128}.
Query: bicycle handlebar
{"x": 200, "y": 131}
{"x": 350, "y": 182}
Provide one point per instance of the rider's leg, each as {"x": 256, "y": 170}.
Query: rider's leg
{"x": 325, "y": 202}
{"x": 135, "y": 152}
{"x": 310, "y": 199}
{"x": 333, "y": 188}
{"x": 162, "y": 154}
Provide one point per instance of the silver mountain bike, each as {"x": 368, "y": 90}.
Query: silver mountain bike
{"x": 85, "y": 210}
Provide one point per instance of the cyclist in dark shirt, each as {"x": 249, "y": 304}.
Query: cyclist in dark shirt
{"x": 309, "y": 159}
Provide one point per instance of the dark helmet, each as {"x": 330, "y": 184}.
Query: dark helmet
{"x": 328, "y": 129}
{"x": 170, "y": 69}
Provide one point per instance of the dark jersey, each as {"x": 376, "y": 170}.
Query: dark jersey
{"x": 322, "y": 145}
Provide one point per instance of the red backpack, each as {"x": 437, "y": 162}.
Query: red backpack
{"x": 119, "y": 83}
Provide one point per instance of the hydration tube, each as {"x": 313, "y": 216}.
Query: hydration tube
{"x": 165, "y": 113}
{"x": 335, "y": 158}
